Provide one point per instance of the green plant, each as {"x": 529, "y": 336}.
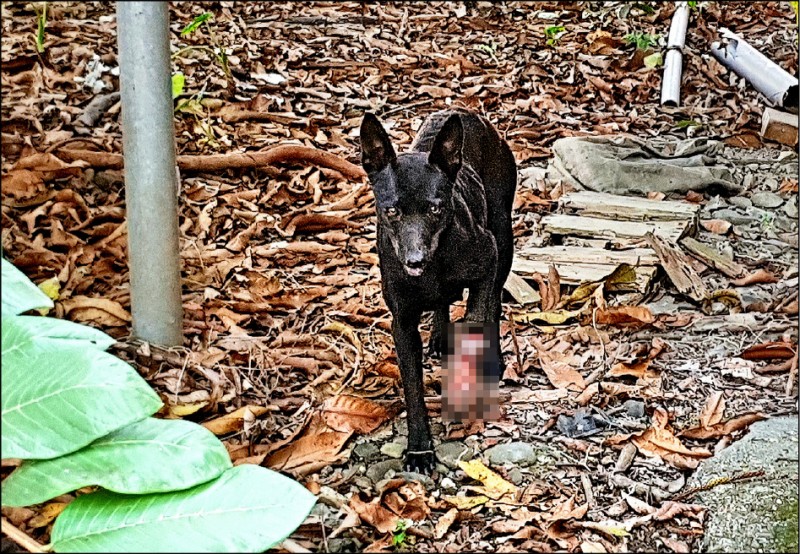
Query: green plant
{"x": 217, "y": 51}
{"x": 554, "y": 34}
{"x": 79, "y": 417}
{"x": 399, "y": 534}
{"x": 41, "y": 23}
{"x": 643, "y": 41}
{"x": 489, "y": 49}
{"x": 684, "y": 123}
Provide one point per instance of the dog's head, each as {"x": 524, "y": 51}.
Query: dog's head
{"x": 413, "y": 191}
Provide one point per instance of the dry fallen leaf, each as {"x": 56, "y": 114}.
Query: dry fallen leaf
{"x": 561, "y": 375}
{"x": 100, "y": 311}
{"x": 352, "y": 413}
{"x": 721, "y": 429}
{"x": 234, "y": 421}
{"x": 713, "y": 410}
{"x": 659, "y": 441}
{"x": 769, "y": 351}
{"x": 494, "y": 486}
{"x": 309, "y": 452}
{"x": 716, "y": 226}
{"x": 444, "y": 523}
{"x": 616, "y": 315}
{"x": 760, "y": 276}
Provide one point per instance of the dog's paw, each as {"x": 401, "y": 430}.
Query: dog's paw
{"x": 420, "y": 462}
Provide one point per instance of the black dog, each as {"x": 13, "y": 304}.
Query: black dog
{"x": 444, "y": 224}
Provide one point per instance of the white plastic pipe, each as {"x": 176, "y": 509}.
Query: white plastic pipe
{"x": 673, "y": 60}
{"x": 148, "y": 140}
{"x": 767, "y": 77}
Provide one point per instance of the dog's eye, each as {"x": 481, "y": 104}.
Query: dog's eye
{"x": 435, "y": 210}
{"x": 391, "y": 212}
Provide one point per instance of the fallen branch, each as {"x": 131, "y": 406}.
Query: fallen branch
{"x": 286, "y": 153}
{"x": 23, "y": 540}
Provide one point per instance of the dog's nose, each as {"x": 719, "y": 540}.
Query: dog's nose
{"x": 415, "y": 260}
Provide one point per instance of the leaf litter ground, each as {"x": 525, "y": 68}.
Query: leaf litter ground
{"x": 288, "y": 354}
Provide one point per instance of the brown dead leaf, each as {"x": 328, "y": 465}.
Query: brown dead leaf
{"x": 550, "y": 290}
{"x": 617, "y": 315}
{"x": 311, "y": 451}
{"x": 769, "y": 351}
{"x": 675, "y": 545}
{"x": 788, "y": 186}
{"x": 435, "y": 92}
{"x": 659, "y": 441}
{"x": 354, "y": 414}
{"x": 560, "y": 374}
{"x": 406, "y": 499}
{"x": 637, "y": 369}
{"x": 234, "y": 421}
{"x": 722, "y": 429}
{"x": 101, "y": 311}
{"x": 47, "y": 514}
{"x": 567, "y": 510}
{"x": 713, "y": 410}
{"x": 373, "y": 513}
{"x": 716, "y": 226}
{"x": 315, "y": 222}
{"x": 760, "y": 276}
{"x": 444, "y": 523}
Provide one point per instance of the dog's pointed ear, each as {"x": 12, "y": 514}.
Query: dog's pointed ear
{"x": 376, "y": 148}
{"x": 446, "y": 151}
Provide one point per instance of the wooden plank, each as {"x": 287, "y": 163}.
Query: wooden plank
{"x": 677, "y": 266}
{"x": 779, "y": 126}
{"x": 575, "y": 273}
{"x": 712, "y": 258}
{"x": 557, "y": 224}
{"x": 628, "y": 208}
{"x": 589, "y": 255}
{"x": 520, "y": 290}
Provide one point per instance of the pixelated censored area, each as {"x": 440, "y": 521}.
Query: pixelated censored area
{"x": 471, "y": 373}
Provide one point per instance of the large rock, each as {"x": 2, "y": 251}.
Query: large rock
{"x": 759, "y": 515}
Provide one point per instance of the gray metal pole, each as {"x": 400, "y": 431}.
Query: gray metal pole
{"x": 148, "y": 139}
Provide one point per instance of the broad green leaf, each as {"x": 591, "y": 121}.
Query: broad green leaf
{"x": 178, "y": 81}
{"x": 196, "y": 22}
{"x": 247, "y": 509}
{"x": 50, "y": 334}
{"x": 19, "y": 293}
{"x": 654, "y": 60}
{"x": 56, "y": 402}
{"x": 149, "y": 456}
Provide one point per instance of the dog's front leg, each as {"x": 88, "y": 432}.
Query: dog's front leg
{"x": 405, "y": 328}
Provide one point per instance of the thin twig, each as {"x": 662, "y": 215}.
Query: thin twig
{"x": 792, "y": 375}
{"x": 720, "y": 481}
{"x": 21, "y": 538}
{"x": 514, "y": 340}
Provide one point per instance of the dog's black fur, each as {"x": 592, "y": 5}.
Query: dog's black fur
{"x": 444, "y": 224}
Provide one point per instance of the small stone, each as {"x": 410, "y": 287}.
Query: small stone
{"x": 366, "y": 451}
{"x": 377, "y": 471}
{"x": 790, "y": 208}
{"x": 766, "y": 199}
{"x": 634, "y": 408}
{"x": 450, "y": 453}
{"x": 447, "y": 484}
{"x": 515, "y": 475}
{"x": 518, "y": 453}
{"x": 747, "y": 181}
{"x": 441, "y": 468}
{"x": 771, "y": 182}
{"x": 426, "y": 481}
{"x": 393, "y": 449}
{"x": 740, "y": 202}
{"x": 734, "y": 217}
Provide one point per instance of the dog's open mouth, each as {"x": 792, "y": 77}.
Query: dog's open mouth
{"x": 413, "y": 271}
